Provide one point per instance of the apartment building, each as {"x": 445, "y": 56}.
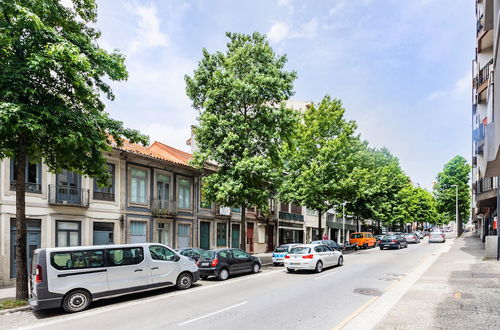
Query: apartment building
{"x": 485, "y": 122}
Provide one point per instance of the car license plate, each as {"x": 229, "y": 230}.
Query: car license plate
{"x": 294, "y": 263}
{"x": 204, "y": 263}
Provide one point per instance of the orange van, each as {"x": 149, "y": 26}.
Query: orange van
{"x": 364, "y": 240}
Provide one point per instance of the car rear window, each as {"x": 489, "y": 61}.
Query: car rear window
{"x": 281, "y": 249}
{"x": 300, "y": 250}
{"x": 207, "y": 254}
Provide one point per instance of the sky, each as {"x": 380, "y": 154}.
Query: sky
{"x": 401, "y": 68}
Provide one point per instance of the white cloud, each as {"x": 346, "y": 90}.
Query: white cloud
{"x": 460, "y": 88}
{"x": 175, "y": 136}
{"x": 149, "y": 34}
{"x": 280, "y": 31}
{"x": 307, "y": 30}
{"x": 288, "y": 4}
{"x": 339, "y": 5}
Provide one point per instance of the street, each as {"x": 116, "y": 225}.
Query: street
{"x": 269, "y": 300}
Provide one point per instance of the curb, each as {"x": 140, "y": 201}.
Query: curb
{"x": 17, "y": 309}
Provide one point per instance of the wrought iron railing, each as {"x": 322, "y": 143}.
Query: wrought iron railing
{"x": 291, "y": 216}
{"x": 162, "y": 207}
{"x": 480, "y": 23}
{"x": 486, "y": 184}
{"x": 34, "y": 188}
{"x": 64, "y": 195}
{"x": 484, "y": 73}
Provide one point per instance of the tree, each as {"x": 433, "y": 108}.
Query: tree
{"x": 243, "y": 122}
{"x": 53, "y": 73}
{"x": 321, "y": 158}
{"x": 455, "y": 174}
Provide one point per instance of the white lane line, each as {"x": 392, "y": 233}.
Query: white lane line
{"x": 213, "y": 313}
{"x": 317, "y": 278}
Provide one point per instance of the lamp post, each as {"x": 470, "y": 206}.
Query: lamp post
{"x": 343, "y": 221}
{"x": 456, "y": 210}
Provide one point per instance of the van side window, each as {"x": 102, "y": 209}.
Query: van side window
{"x": 126, "y": 256}
{"x": 77, "y": 259}
{"x": 161, "y": 253}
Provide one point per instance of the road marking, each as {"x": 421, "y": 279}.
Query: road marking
{"x": 317, "y": 278}
{"x": 458, "y": 295}
{"x": 113, "y": 307}
{"x": 354, "y": 314}
{"x": 213, "y": 313}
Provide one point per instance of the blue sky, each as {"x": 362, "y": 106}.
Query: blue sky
{"x": 402, "y": 68}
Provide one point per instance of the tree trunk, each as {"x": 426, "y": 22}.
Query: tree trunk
{"x": 320, "y": 236}
{"x": 243, "y": 242}
{"x": 21, "y": 267}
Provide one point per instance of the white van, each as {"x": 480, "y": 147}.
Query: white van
{"x": 72, "y": 277}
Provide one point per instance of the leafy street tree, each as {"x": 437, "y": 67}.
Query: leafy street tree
{"x": 243, "y": 122}
{"x": 321, "y": 158}
{"x": 53, "y": 73}
{"x": 455, "y": 174}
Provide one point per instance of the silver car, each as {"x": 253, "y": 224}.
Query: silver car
{"x": 437, "y": 237}
{"x": 312, "y": 257}
{"x": 411, "y": 238}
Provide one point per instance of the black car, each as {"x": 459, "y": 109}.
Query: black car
{"x": 393, "y": 241}
{"x": 191, "y": 253}
{"x": 222, "y": 263}
{"x": 331, "y": 244}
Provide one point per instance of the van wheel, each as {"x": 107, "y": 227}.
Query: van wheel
{"x": 76, "y": 301}
{"x": 184, "y": 281}
{"x": 223, "y": 274}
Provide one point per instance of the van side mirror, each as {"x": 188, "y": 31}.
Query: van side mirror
{"x": 177, "y": 257}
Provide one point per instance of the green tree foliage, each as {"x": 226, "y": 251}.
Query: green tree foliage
{"x": 321, "y": 158}
{"x": 53, "y": 74}
{"x": 243, "y": 122}
{"x": 455, "y": 173}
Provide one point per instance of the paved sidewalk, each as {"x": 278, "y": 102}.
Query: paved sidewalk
{"x": 459, "y": 291}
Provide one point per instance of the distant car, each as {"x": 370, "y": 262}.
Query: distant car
{"x": 222, "y": 263}
{"x": 312, "y": 257}
{"x": 332, "y": 244}
{"x": 191, "y": 253}
{"x": 437, "y": 237}
{"x": 378, "y": 238}
{"x": 411, "y": 238}
{"x": 363, "y": 239}
{"x": 419, "y": 234}
{"x": 280, "y": 253}
{"x": 393, "y": 242}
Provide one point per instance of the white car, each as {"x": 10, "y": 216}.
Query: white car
{"x": 312, "y": 257}
{"x": 280, "y": 252}
{"x": 437, "y": 237}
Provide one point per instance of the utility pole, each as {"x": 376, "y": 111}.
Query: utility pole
{"x": 458, "y": 228}
{"x": 343, "y": 221}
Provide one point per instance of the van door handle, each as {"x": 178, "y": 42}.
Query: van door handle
{"x": 154, "y": 268}
{"x": 138, "y": 270}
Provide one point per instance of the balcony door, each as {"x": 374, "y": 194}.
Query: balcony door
{"x": 68, "y": 187}
{"x": 163, "y": 190}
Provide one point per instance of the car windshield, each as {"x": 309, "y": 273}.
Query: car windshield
{"x": 281, "y": 249}
{"x": 207, "y": 254}
{"x": 300, "y": 250}
{"x": 356, "y": 236}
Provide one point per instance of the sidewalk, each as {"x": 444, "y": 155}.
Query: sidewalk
{"x": 459, "y": 291}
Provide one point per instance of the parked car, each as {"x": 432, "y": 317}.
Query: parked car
{"x": 346, "y": 246}
{"x": 73, "y": 277}
{"x": 378, "y": 238}
{"x": 411, "y": 238}
{"x": 420, "y": 234}
{"x": 393, "y": 241}
{"x": 312, "y": 257}
{"x": 363, "y": 240}
{"x": 191, "y": 253}
{"x": 223, "y": 263}
{"x": 280, "y": 253}
{"x": 437, "y": 237}
{"x": 332, "y": 244}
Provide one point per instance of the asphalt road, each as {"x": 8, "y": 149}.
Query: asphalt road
{"x": 272, "y": 299}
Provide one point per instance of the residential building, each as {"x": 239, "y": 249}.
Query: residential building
{"x": 485, "y": 121}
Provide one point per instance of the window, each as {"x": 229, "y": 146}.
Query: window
{"x": 184, "y": 194}
{"x": 283, "y": 207}
{"x": 356, "y": 236}
{"x": 137, "y": 232}
{"x": 33, "y": 176}
{"x": 236, "y": 209}
{"x": 163, "y": 187}
{"x": 296, "y": 209}
{"x": 103, "y": 233}
{"x": 221, "y": 234}
{"x": 125, "y": 256}
{"x": 68, "y": 233}
{"x": 311, "y": 212}
{"x": 226, "y": 254}
{"x": 238, "y": 254}
{"x": 77, "y": 259}
{"x": 318, "y": 249}
{"x": 106, "y": 193}
{"x": 163, "y": 232}
{"x": 161, "y": 253}
{"x": 203, "y": 201}
{"x": 138, "y": 186}
{"x": 183, "y": 235}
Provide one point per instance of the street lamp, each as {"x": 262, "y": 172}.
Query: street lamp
{"x": 456, "y": 209}
{"x": 343, "y": 221}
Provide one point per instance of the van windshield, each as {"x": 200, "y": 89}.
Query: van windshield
{"x": 356, "y": 236}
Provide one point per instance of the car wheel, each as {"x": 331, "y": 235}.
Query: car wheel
{"x": 406, "y": 246}
{"x": 76, "y": 301}
{"x": 256, "y": 268}
{"x": 184, "y": 281}
{"x": 290, "y": 270}
{"x": 365, "y": 246}
{"x": 381, "y": 248}
{"x": 398, "y": 247}
{"x": 319, "y": 267}
{"x": 223, "y": 274}
{"x": 341, "y": 261}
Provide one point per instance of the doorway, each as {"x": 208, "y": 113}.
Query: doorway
{"x": 205, "y": 235}
{"x": 235, "y": 236}
{"x": 33, "y": 240}
{"x": 250, "y": 237}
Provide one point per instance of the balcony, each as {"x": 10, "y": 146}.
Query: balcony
{"x": 222, "y": 211}
{"x": 486, "y": 192}
{"x": 64, "y": 195}
{"x": 478, "y": 136}
{"x": 481, "y": 82}
{"x": 290, "y": 216}
{"x": 480, "y": 24}
{"x": 163, "y": 208}
{"x": 104, "y": 196}
{"x": 33, "y": 188}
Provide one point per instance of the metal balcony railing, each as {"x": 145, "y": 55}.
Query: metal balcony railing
{"x": 104, "y": 196}
{"x": 222, "y": 211}
{"x": 486, "y": 184}
{"x": 291, "y": 216}
{"x": 162, "y": 208}
{"x": 478, "y": 134}
{"x": 480, "y": 24}
{"x": 484, "y": 74}
{"x": 64, "y": 195}
{"x": 34, "y": 188}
